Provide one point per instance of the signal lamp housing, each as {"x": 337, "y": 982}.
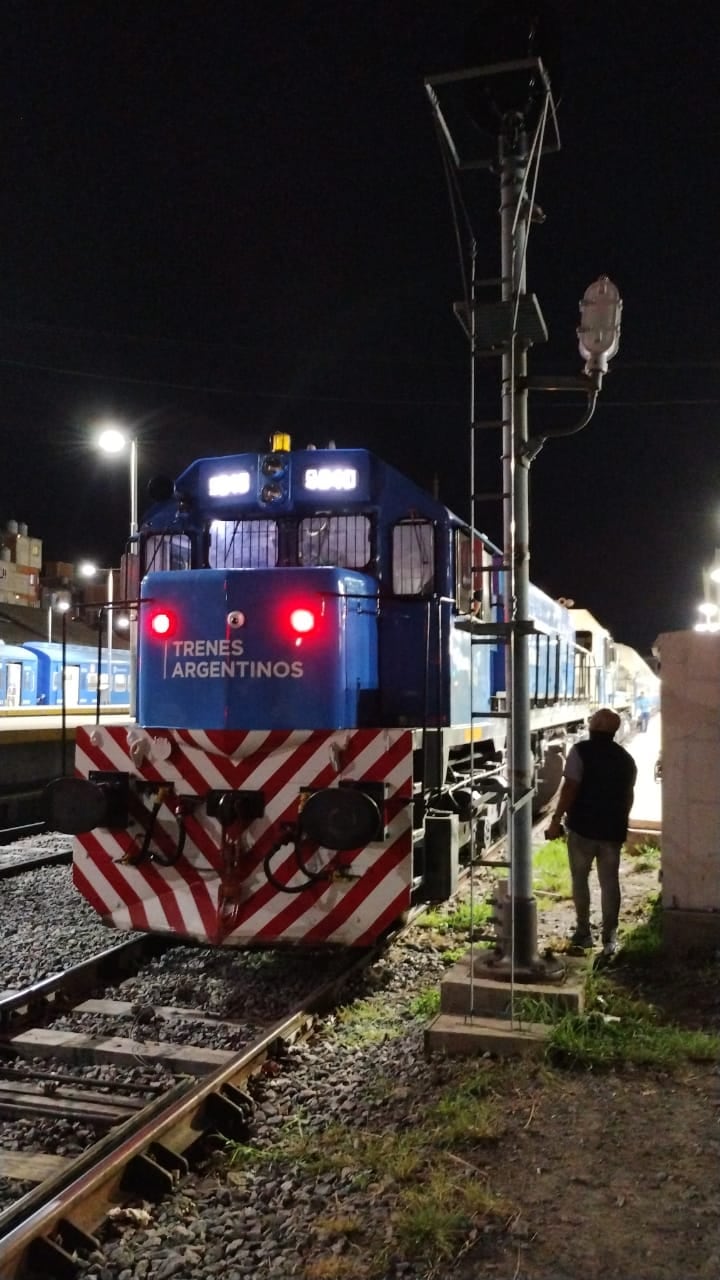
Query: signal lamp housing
{"x": 162, "y": 623}
{"x": 302, "y": 621}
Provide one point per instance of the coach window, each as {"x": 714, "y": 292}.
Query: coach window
{"x": 413, "y": 565}
{"x": 168, "y": 551}
{"x": 243, "y": 544}
{"x": 340, "y": 541}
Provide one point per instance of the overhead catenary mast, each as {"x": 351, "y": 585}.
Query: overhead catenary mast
{"x": 500, "y": 116}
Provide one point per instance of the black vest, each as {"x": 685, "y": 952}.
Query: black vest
{"x": 602, "y": 805}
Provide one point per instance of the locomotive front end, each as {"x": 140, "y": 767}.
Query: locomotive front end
{"x": 243, "y": 838}
{"x": 258, "y": 649}
{"x": 256, "y": 801}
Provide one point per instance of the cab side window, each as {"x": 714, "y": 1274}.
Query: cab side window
{"x": 413, "y": 558}
{"x": 168, "y": 551}
{"x": 463, "y": 571}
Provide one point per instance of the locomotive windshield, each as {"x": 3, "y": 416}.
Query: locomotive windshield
{"x": 341, "y": 541}
{"x": 243, "y": 544}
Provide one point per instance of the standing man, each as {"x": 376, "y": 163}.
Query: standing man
{"x": 597, "y": 796}
{"x": 643, "y": 712}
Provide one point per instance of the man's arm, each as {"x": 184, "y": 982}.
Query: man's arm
{"x": 631, "y": 788}
{"x": 568, "y": 792}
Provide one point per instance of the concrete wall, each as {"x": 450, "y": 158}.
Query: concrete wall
{"x": 690, "y": 672}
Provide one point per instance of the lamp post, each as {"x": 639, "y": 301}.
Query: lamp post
{"x": 113, "y": 440}
{"x": 501, "y": 117}
{"x": 709, "y": 612}
{"x": 61, "y": 606}
{"x": 709, "y": 608}
{"x": 88, "y": 570}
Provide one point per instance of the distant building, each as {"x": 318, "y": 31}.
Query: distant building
{"x": 20, "y": 566}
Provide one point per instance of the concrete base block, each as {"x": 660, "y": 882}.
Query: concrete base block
{"x": 488, "y": 997}
{"x": 685, "y": 931}
{"x": 473, "y": 1036}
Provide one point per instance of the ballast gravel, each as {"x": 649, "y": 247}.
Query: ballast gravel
{"x": 265, "y": 1222}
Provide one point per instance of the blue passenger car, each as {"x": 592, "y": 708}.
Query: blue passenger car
{"x": 18, "y": 676}
{"x": 81, "y": 674}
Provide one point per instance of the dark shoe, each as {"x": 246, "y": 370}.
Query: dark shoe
{"x": 609, "y": 942}
{"x": 582, "y": 939}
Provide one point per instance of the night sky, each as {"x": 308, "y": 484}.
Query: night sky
{"x": 223, "y": 219}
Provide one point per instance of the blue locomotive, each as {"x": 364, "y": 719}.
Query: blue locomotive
{"x": 321, "y": 706}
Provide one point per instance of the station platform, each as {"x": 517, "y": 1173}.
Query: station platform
{"x": 26, "y": 724}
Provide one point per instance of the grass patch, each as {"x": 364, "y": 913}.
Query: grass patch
{"x": 436, "y": 1199}
{"x": 242, "y": 1156}
{"x": 617, "y": 1029}
{"x": 389, "y": 1157}
{"x": 451, "y": 955}
{"x": 433, "y": 1222}
{"x": 595, "y": 1040}
{"x": 461, "y": 1120}
{"x": 644, "y": 857}
{"x": 530, "y": 1009}
{"x": 642, "y": 943}
{"x": 458, "y": 919}
{"x": 339, "y": 1224}
{"x": 368, "y": 1022}
{"x": 426, "y": 1005}
{"x": 334, "y": 1268}
{"x": 551, "y": 870}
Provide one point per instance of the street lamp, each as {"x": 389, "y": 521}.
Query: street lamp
{"x": 709, "y": 613}
{"x": 88, "y": 570}
{"x": 501, "y": 117}
{"x": 61, "y": 606}
{"x": 113, "y": 440}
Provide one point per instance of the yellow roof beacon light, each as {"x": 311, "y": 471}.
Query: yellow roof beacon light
{"x": 280, "y": 442}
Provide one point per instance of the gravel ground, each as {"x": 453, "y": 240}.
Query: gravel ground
{"x": 604, "y": 1177}
{"x": 265, "y": 1224}
{"x": 599, "y": 1176}
{"x": 45, "y": 926}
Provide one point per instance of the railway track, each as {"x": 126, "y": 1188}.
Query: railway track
{"x": 147, "y": 1148}
{"x": 144, "y": 1136}
{"x": 17, "y": 864}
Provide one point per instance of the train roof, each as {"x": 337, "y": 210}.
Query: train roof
{"x": 348, "y": 478}
{"x": 16, "y": 653}
{"x": 74, "y": 652}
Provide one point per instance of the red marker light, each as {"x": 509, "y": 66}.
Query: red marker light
{"x": 162, "y": 623}
{"x": 302, "y": 621}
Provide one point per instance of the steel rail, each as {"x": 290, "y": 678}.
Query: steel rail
{"x": 19, "y": 1006}
{"x": 17, "y": 866}
{"x": 144, "y": 1155}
